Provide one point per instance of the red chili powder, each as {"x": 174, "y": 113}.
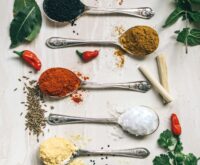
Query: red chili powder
{"x": 77, "y": 97}
{"x": 82, "y": 77}
{"x": 58, "y": 82}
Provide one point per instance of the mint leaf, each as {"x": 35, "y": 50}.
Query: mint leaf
{"x": 194, "y": 16}
{"x": 191, "y": 36}
{"x": 167, "y": 140}
{"x": 161, "y": 160}
{"x": 191, "y": 159}
{"x": 174, "y": 16}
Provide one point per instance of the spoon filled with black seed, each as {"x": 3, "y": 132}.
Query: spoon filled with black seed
{"x": 70, "y": 10}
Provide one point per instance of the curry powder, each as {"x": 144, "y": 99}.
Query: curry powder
{"x": 140, "y": 40}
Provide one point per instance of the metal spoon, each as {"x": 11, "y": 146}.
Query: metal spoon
{"x": 55, "y": 119}
{"x": 142, "y": 12}
{"x": 59, "y": 42}
{"x": 138, "y": 86}
{"x": 140, "y": 153}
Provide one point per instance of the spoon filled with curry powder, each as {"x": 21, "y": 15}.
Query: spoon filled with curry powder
{"x": 137, "y": 41}
{"x": 61, "y": 82}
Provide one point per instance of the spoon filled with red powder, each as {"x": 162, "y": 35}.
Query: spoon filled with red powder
{"x": 61, "y": 82}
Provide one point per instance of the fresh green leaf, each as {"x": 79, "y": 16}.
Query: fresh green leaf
{"x": 194, "y": 16}
{"x": 161, "y": 160}
{"x": 185, "y": 5}
{"x": 21, "y": 5}
{"x": 189, "y": 36}
{"x": 191, "y": 159}
{"x": 195, "y": 1}
{"x": 174, "y": 16}
{"x": 179, "y": 157}
{"x": 167, "y": 140}
{"x": 179, "y": 146}
{"x": 26, "y": 25}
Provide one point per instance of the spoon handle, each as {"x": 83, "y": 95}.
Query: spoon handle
{"x": 59, "y": 42}
{"x": 55, "y": 119}
{"x": 142, "y": 12}
{"x": 138, "y": 86}
{"x": 134, "y": 153}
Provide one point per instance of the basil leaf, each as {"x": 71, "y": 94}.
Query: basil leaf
{"x": 26, "y": 25}
{"x": 194, "y": 16}
{"x": 174, "y": 16}
{"x": 21, "y": 4}
{"x": 191, "y": 36}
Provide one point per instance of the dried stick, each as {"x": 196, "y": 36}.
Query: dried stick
{"x": 158, "y": 87}
{"x": 163, "y": 74}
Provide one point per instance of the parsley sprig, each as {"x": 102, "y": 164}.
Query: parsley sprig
{"x": 185, "y": 9}
{"x": 174, "y": 151}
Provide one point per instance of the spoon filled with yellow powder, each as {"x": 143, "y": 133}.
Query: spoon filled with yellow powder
{"x": 137, "y": 41}
{"x": 60, "y": 151}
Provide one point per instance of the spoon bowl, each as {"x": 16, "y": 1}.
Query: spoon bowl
{"x": 143, "y": 122}
{"x": 142, "y": 12}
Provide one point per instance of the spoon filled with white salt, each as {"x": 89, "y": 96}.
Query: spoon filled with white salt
{"x": 138, "y": 120}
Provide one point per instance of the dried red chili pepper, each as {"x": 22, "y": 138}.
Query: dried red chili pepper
{"x": 30, "y": 58}
{"x": 88, "y": 55}
{"x": 175, "y": 125}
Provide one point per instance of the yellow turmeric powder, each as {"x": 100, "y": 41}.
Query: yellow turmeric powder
{"x": 55, "y": 150}
{"x": 140, "y": 40}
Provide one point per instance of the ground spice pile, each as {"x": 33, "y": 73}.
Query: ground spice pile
{"x": 58, "y": 82}
{"x": 140, "y": 40}
{"x": 63, "y": 10}
{"x": 55, "y": 150}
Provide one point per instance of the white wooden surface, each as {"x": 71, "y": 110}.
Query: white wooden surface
{"x": 18, "y": 148}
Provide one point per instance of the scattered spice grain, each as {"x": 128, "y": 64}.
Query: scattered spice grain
{"x": 120, "y": 55}
{"x": 35, "y": 121}
{"x": 35, "y": 116}
{"x": 77, "y": 97}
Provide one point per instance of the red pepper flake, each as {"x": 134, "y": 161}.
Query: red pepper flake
{"x": 82, "y": 77}
{"x": 77, "y": 97}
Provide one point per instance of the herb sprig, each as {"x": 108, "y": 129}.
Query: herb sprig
{"x": 174, "y": 151}
{"x": 190, "y": 36}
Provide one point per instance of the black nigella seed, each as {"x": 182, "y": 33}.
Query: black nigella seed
{"x": 63, "y": 10}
